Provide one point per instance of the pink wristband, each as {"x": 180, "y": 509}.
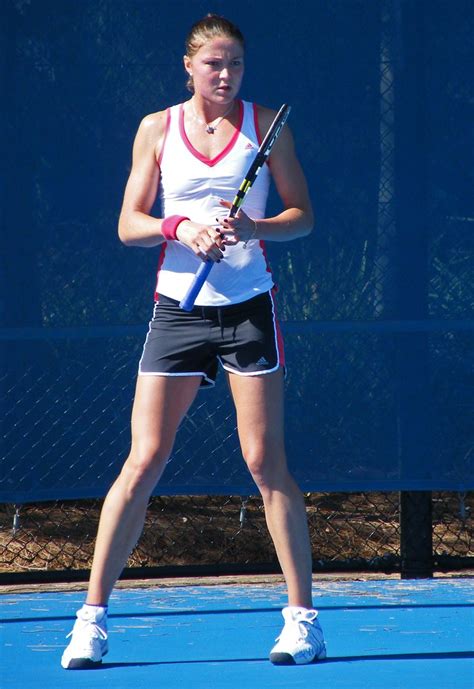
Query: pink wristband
{"x": 169, "y": 226}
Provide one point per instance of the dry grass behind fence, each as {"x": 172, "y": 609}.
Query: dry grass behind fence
{"x": 349, "y": 528}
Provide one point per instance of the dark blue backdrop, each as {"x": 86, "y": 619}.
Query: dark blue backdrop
{"x": 376, "y": 305}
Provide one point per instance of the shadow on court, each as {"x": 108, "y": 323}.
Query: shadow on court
{"x": 391, "y": 634}
{"x": 342, "y": 659}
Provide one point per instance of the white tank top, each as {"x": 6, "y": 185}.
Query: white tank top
{"x": 191, "y": 185}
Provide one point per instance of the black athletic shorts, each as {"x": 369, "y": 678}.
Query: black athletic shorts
{"x": 245, "y": 338}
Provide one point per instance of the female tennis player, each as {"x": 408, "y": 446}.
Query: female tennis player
{"x": 195, "y": 155}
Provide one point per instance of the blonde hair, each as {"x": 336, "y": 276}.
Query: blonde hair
{"x": 211, "y": 26}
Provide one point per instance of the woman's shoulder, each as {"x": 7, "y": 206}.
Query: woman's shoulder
{"x": 155, "y": 122}
{"x": 152, "y": 132}
{"x": 265, "y": 116}
{"x": 153, "y": 127}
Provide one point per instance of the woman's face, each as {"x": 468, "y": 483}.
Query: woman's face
{"x": 217, "y": 69}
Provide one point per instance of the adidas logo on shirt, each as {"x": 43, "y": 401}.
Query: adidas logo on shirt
{"x": 249, "y": 146}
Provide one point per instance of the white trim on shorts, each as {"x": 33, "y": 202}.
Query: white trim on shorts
{"x": 210, "y": 383}
{"x": 250, "y": 373}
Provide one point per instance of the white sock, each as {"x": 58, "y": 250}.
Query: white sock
{"x": 98, "y": 611}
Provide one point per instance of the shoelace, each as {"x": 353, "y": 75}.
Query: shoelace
{"x": 98, "y": 631}
{"x": 301, "y": 626}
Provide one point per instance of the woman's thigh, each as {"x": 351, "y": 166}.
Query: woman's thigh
{"x": 259, "y": 403}
{"x": 160, "y": 404}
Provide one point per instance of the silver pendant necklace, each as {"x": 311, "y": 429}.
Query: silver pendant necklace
{"x": 211, "y": 126}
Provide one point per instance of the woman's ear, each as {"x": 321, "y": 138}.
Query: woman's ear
{"x": 187, "y": 65}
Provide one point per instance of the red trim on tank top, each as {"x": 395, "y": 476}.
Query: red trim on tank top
{"x": 279, "y": 335}
{"x": 210, "y": 162}
{"x": 258, "y": 131}
{"x": 167, "y": 128}
{"x": 267, "y": 262}
{"x": 161, "y": 259}
{"x": 257, "y": 125}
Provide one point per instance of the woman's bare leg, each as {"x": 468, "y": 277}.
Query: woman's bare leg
{"x": 159, "y": 407}
{"x": 260, "y": 420}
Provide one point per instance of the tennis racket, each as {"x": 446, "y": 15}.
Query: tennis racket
{"x": 261, "y": 156}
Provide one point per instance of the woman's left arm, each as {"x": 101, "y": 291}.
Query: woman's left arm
{"x": 296, "y": 219}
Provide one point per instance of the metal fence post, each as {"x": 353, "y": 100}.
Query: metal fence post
{"x": 412, "y": 230}
{"x": 416, "y": 535}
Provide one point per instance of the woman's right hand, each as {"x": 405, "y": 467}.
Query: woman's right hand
{"x": 206, "y": 241}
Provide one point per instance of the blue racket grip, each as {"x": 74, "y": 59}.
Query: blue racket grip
{"x": 199, "y": 279}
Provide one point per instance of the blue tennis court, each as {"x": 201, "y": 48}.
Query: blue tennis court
{"x": 388, "y": 633}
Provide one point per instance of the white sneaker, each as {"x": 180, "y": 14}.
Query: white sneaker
{"x": 89, "y": 639}
{"x": 301, "y": 640}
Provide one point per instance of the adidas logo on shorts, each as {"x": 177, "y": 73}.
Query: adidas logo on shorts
{"x": 262, "y": 361}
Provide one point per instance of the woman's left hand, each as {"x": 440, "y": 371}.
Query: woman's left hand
{"x": 238, "y": 229}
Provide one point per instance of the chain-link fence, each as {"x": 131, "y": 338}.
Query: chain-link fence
{"x": 376, "y": 305}
{"x": 354, "y": 531}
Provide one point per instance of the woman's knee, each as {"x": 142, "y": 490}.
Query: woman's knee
{"x": 266, "y": 464}
{"x": 143, "y": 468}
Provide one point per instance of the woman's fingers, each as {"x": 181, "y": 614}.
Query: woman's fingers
{"x": 237, "y": 229}
{"x": 204, "y": 240}
{"x": 206, "y": 243}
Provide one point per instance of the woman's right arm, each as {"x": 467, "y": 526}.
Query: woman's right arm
{"x": 136, "y": 226}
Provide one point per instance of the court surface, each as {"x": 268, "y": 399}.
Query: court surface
{"x": 380, "y": 634}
